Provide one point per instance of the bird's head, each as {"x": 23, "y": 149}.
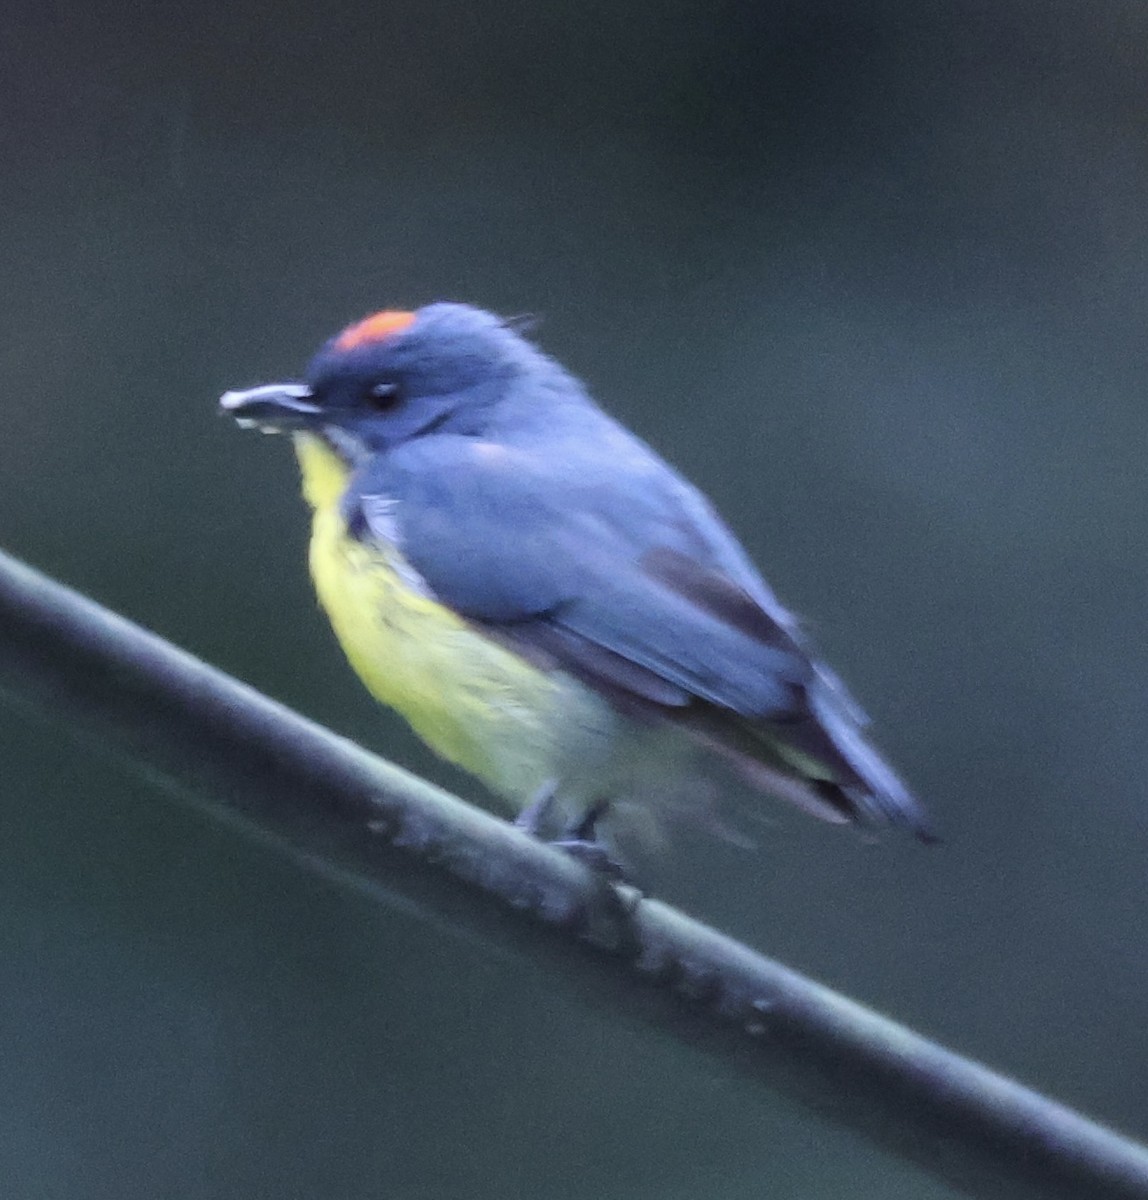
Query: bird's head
{"x": 395, "y": 376}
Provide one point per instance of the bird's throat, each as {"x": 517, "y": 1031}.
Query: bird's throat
{"x": 324, "y": 472}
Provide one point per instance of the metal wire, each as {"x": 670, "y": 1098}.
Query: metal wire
{"x": 243, "y": 758}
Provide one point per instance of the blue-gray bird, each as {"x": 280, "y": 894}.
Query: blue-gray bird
{"x": 547, "y": 602}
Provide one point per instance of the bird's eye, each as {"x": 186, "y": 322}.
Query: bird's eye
{"x": 383, "y": 397}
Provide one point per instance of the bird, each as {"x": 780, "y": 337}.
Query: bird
{"x": 549, "y": 604}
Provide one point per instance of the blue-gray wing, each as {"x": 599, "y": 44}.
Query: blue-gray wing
{"x": 599, "y": 563}
{"x": 616, "y": 569}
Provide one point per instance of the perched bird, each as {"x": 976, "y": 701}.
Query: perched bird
{"x": 547, "y": 602}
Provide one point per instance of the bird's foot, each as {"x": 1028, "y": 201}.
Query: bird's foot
{"x": 580, "y": 839}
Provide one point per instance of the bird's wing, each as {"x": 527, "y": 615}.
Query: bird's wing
{"x": 602, "y": 568}
{"x": 617, "y": 570}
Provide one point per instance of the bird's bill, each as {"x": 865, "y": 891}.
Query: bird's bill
{"x": 274, "y": 408}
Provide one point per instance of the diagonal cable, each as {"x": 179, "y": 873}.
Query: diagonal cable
{"x": 238, "y": 756}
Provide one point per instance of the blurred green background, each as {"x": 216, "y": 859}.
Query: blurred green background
{"x": 873, "y": 274}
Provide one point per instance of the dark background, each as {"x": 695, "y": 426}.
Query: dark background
{"x": 873, "y": 274}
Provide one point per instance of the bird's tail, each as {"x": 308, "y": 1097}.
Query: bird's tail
{"x": 820, "y": 761}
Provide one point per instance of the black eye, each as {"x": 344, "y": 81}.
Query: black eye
{"x": 383, "y": 397}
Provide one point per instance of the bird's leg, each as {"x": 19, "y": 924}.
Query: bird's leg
{"x": 532, "y": 818}
{"x": 585, "y": 828}
{"x": 581, "y": 841}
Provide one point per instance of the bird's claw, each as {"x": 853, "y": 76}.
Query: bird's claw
{"x": 595, "y": 855}
{"x": 580, "y": 840}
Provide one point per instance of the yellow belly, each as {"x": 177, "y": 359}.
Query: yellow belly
{"x": 475, "y": 702}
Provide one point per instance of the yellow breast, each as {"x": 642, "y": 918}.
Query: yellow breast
{"x": 477, "y": 703}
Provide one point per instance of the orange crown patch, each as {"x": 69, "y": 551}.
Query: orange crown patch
{"x": 374, "y": 329}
